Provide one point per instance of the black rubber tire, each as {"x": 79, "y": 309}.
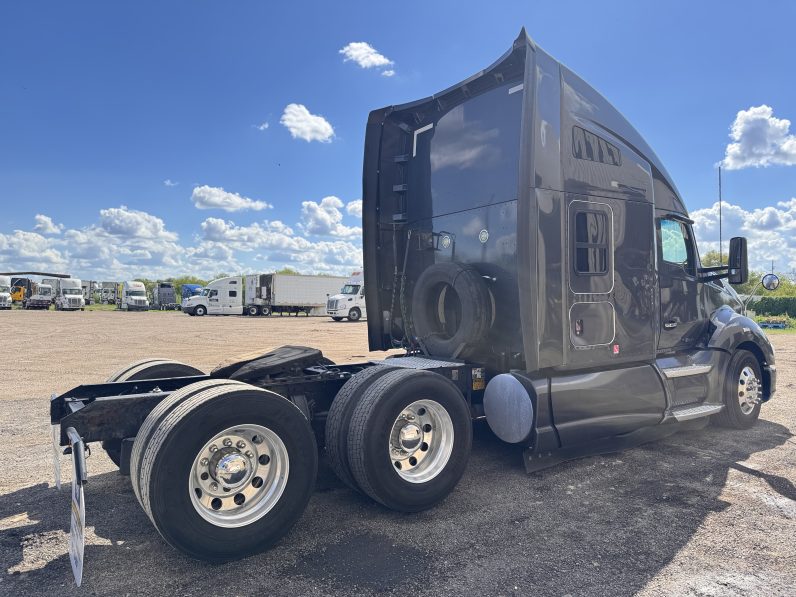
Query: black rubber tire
{"x": 253, "y": 310}
{"x": 354, "y": 314}
{"x": 370, "y": 428}
{"x": 159, "y": 413}
{"x": 338, "y": 318}
{"x": 168, "y": 456}
{"x": 265, "y": 311}
{"x": 475, "y": 309}
{"x": 339, "y": 417}
{"x": 731, "y": 415}
{"x": 200, "y": 310}
{"x": 152, "y": 368}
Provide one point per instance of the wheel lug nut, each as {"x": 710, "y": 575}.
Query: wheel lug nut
{"x": 241, "y": 444}
{"x": 249, "y": 454}
{"x": 227, "y": 442}
{"x": 204, "y": 462}
{"x": 213, "y": 448}
{"x": 214, "y": 486}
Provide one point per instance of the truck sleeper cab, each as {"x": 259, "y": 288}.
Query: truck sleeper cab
{"x": 529, "y": 252}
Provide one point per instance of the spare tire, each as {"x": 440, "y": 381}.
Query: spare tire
{"x": 451, "y": 309}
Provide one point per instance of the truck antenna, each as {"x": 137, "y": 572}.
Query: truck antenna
{"x": 721, "y": 259}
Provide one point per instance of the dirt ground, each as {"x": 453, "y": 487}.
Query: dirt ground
{"x": 708, "y": 512}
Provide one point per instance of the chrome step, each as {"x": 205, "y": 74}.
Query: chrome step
{"x": 688, "y": 412}
{"x": 674, "y": 372}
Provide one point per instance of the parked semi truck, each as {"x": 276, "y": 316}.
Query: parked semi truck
{"x": 189, "y": 290}
{"x": 41, "y": 297}
{"x": 5, "y": 292}
{"x": 106, "y": 292}
{"x": 89, "y": 289}
{"x": 164, "y": 297}
{"x": 350, "y": 301}
{"x": 545, "y": 279}
{"x": 69, "y": 295}
{"x": 264, "y": 294}
{"x": 131, "y": 296}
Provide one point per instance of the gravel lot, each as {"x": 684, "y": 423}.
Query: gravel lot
{"x": 709, "y": 512}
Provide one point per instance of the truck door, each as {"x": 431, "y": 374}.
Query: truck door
{"x": 681, "y": 317}
{"x": 214, "y": 303}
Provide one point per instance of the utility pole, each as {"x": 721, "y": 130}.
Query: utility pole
{"x": 721, "y": 259}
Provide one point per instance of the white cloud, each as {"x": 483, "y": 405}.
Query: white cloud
{"x": 45, "y": 225}
{"x": 207, "y": 197}
{"x": 770, "y": 232}
{"x": 364, "y": 55}
{"x": 760, "y": 139}
{"x": 170, "y": 183}
{"x": 263, "y": 126}
{"x": 130, "y": 223}
{"x": 304, "y": 125}
{"x": 388, "y": 73}
{"x": 354, "y": 208}
{"x": 325, "y": 219}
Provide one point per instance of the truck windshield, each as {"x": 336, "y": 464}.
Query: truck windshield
{"x": 350, "y": 289}
{"x": 72, "y": 291}
{"x": 45, "y": 291}
{"x": 136, "y": 293}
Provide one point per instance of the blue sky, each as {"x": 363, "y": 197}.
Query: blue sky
{"x": 101, "y": 102}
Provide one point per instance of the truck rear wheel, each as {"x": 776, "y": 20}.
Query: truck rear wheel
{"x": 228, "y": 472}
{"x": 152, "y": 368}
{"x": 253, "y": 310}
{"x": 743, "y": 392}
{"x": 265, "y": 311}
{"x": 339, "y": 418}
{"x": 409, "y": 439}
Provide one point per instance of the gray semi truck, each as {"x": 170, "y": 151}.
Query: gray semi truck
{"x": 531, "y": 255}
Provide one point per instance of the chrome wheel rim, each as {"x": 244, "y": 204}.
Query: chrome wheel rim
{"x": 239, "y": 475}
{"x": 750, "y": 391}
{"x": 421, "y": 441}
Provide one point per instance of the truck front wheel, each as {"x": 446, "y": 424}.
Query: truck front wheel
{"x": 200, "y": 310}
{"x": 409, "y": 439}
{"x": 743, "y": 392}
{"x": 227, "y": 472}
{"x": 354, "y": 314}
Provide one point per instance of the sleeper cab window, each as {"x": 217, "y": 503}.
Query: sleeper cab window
{"x": 591, "y": 243}
{"x": 233, "y": 293}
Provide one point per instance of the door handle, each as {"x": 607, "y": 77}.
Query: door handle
{"x": 671, "y": 324}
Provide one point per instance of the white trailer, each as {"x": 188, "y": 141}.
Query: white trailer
{"x": 263, "y": 294}
{"x": 285, "y": 293}
{"x": 5, "y": 292}
{"x": 350, "y": 301}
{"x": 69, "y": 296}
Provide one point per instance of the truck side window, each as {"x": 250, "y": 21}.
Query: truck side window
{"x": 591, "y": 243}
{"x": 233, "y": 293}
{"x": 676, "y": 245}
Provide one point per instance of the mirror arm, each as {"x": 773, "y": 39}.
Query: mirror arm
{"x": 751, "y": 294}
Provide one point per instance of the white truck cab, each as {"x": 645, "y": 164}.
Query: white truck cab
{"x": 221, "y": 297}
{"x": 133, "y": 296}
{"x": 70, "y": 295}
{"x": 350, "y": 302}
{"x": 5, "y": 292}
{"x": 41, "y": 298}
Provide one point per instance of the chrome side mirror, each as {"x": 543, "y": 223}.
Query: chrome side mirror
{"x": 770, "y": 281}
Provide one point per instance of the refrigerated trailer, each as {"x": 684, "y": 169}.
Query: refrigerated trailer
{"x": 264, "y": 294}
{"x": 533, "y": 258}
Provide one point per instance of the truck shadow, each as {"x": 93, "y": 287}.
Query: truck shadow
{"x": 599, "y": 525}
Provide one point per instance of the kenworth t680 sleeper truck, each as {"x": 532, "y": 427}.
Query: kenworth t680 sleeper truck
{"x": 530, "y": 253}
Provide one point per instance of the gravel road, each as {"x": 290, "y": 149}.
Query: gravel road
{"x": 709, "y": 512}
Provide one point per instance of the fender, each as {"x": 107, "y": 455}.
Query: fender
{"x": 733, "y": 331}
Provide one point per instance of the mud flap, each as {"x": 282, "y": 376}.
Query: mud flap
{"x": 77, "y": 529}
